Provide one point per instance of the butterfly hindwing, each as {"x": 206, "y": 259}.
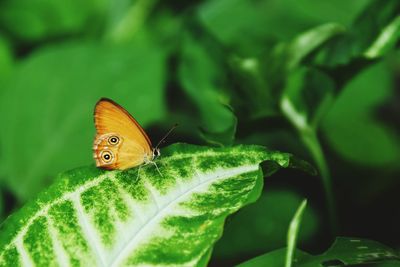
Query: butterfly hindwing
{"x": 106, "y": 148}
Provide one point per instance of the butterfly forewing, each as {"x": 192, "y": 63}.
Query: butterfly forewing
{"x": 120, "y": 142}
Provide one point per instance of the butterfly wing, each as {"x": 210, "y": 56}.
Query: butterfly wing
{"x": 120, "y": 142}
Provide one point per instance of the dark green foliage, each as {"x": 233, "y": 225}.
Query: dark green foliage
{"x": 318, "y": 79}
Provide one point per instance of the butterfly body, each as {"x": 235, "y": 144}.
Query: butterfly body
{"x": 120, "y": 142}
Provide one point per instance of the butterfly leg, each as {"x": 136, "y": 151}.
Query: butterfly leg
{"x": 138, "y": 172}
{"x": 158, "y": 170}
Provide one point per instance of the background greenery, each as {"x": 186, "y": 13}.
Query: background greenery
{"x": 319, "y": 79}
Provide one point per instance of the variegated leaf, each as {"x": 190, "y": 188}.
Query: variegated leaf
{"x": 91, "y": 217}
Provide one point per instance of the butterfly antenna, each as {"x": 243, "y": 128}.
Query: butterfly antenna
{"x": 166, "y": 135}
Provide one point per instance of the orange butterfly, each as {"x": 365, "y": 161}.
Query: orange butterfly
{"x": 120, "y": 142}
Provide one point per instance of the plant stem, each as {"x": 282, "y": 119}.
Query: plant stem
{"x": 309, "y": 137}
{"x": 310, "y": 140}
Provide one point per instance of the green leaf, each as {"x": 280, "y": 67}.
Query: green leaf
{"x": 344, "y": 252}
{"x": 354, "y": 251}
{"x": 36, "y": 20}
{"x": 49, "y": 126}
{"x": 306, "y": 97}
{"x": 293, "y": 232}
{"x": 385, "y": 41}
{"x": 274, "y": 258}
{"x": 296, "y": 50}
{"x": 305, "y": 88}
{"x": 127, "y": 19}
{"x": 259, "y": 22}
{"x": 351, "y": 127}
{"x": 202, "y": 77}
{"x": 261, "y": 79}
{"x": 7, "y": 61}
{"x": 309, "y": 90}
{"x": 115, "y": 218}
{"x": 374, "y": 33}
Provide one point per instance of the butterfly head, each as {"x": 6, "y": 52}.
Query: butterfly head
{"x": 156, "y": 153}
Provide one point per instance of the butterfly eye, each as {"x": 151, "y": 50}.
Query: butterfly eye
{"x": 157, "y": 152}
{"x": 107, "y": 156}
{"x": 113, "y": 140}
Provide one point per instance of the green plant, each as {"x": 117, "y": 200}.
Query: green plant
{"x": 315, "y": 78}
{"x": 113, "y": 218}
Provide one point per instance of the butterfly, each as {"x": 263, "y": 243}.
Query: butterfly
{"x": 120, "y": 142}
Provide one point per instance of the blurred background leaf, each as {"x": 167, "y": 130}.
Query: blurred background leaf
{"x": 351, "y": 127}
{"x": 258, "y": 21}
{"x": 7, "y": 59}
{"x": 368, "y": 29}
{"x": 202, "y": 77}
{"x": 35, "y": 21}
